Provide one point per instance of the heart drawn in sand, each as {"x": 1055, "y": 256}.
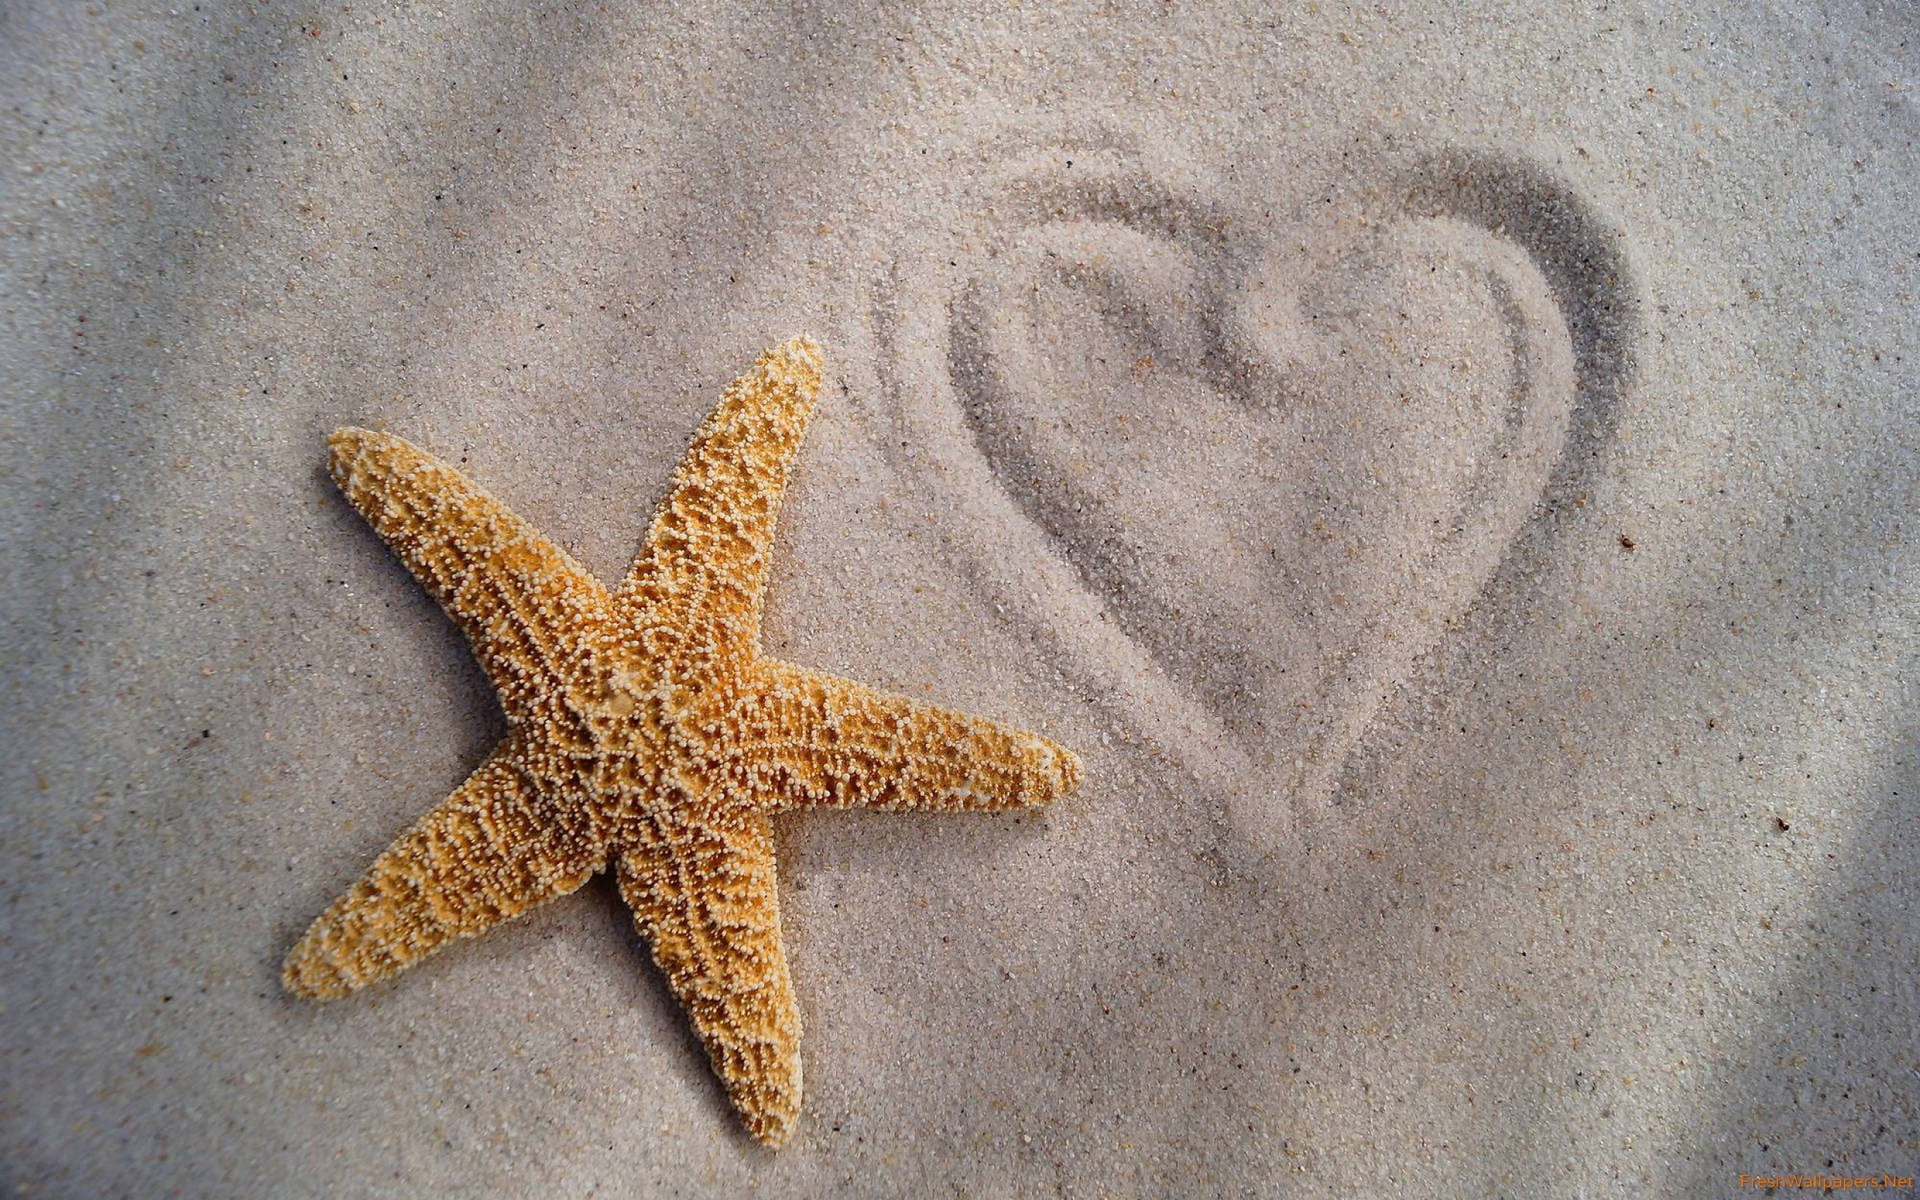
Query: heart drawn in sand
{"x": 1262, "y": 456}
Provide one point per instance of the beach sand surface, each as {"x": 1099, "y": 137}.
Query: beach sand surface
{"x": 1449, "y": 470}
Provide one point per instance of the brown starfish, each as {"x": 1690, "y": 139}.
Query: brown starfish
{"x": 646, "y": 732}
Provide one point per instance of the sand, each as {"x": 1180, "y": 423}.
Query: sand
{"x": 1449, "y": 471}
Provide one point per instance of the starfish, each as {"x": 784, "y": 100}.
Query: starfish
{"x": 646, "y": 733}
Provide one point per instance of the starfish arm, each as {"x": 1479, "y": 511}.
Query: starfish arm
{"x": 523, "y": 602}
{"x": 813, "y": 739}
{"x": 703, "y": 894}
{"x": 489, "y": 852}
{"x": 694, "y": 591}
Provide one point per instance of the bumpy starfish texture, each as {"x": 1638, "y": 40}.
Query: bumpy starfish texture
{"x": 647, "y": 734}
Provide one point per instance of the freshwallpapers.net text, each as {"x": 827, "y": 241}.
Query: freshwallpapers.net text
{"x": 1834, "y": 1183}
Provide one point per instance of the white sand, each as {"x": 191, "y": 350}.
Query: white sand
{"x": 1452, "y": 473}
